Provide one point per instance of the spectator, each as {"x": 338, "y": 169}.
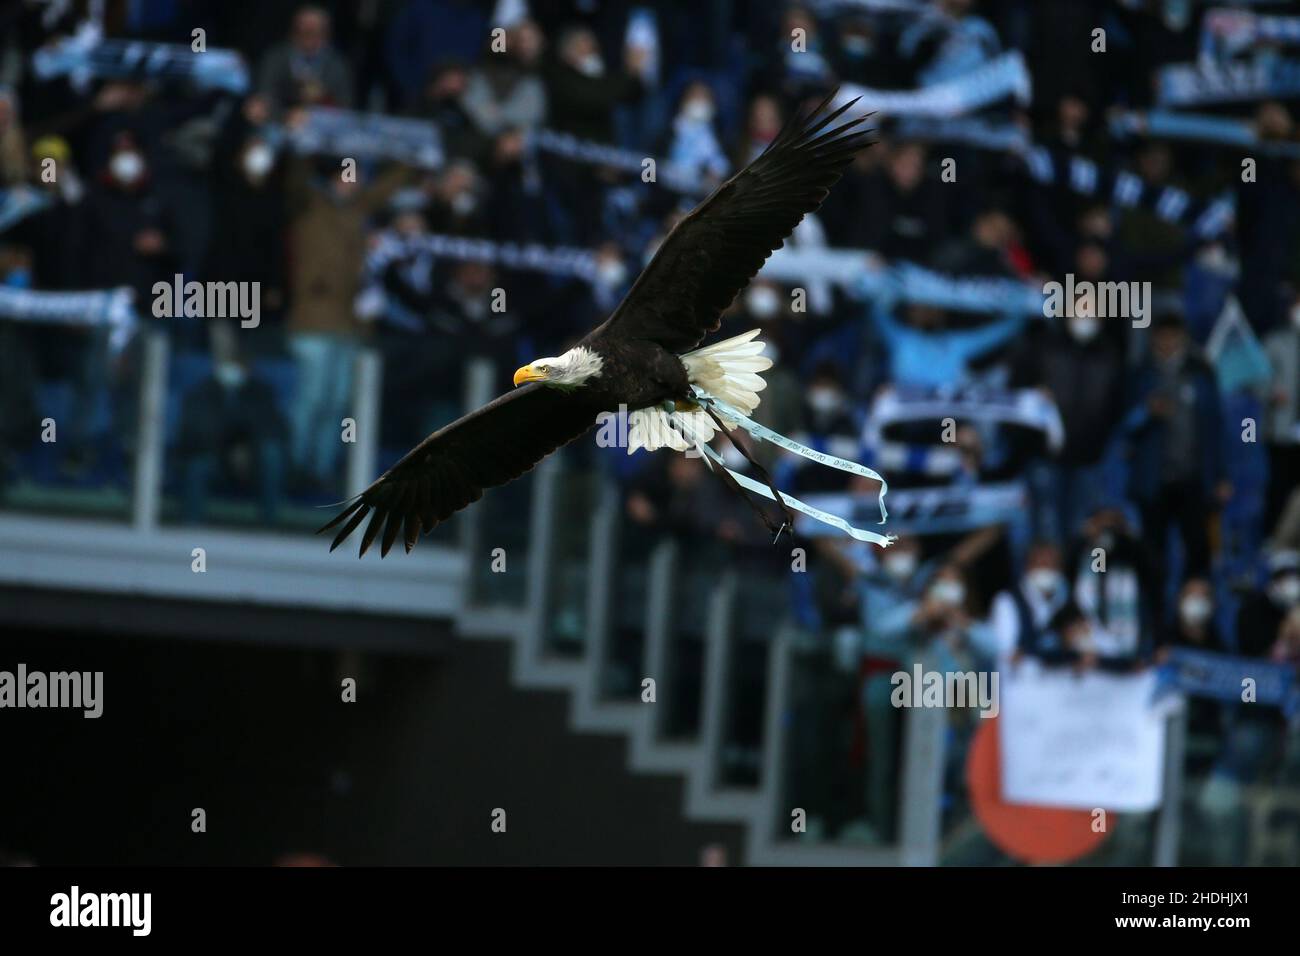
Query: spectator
{"x": 505, "y": 93}
{"x": 248, "y": 224}
{"x": 1283, "y": 425}
{"x": 1177, "y": 473}
{"x": 924, "y": 351}
{"x": 231, "y": 430}
{"x": 327, "y": 220}
{"x": 582, "y": 92}
{"x": 1027, "y": 617}
{"x": 908, "y": 213}
{"x": 1082, "y": 368}
{"x": 128, "y": 224}
{"x": 950, "y": 45}
{"x": 1115, "y": 581}
{"x": 693, "y": 141}
{"x": 442, "y": 102}
{"x": 305, "y": 70}
{"x": 1259, "y": 620}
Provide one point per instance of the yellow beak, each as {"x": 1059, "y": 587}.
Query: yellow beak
{"x": 528, "y": 374}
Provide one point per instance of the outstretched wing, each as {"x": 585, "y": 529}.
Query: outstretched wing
{"x": 450, "y": 468}
{"x": 713, "y": 253}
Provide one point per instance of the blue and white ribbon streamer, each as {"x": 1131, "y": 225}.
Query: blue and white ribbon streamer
{"x": 763, "y": 433}
{"x": 85, "y": 58}
{"x": 109, "y": 307}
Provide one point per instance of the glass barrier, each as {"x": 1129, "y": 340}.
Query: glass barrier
{"x": 640, "y": 555}
{"x": 687, "y": 630}
{"x": 576, "y": 493}
{"x": 1240, "y": 789}
{"x": 498, "y": 521}
{"x": 71, "y": 408}
{"x": 760, "y": 609}
{"x": 842, "y": 749}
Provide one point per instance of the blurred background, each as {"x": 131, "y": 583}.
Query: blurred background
{"x": 161, "y": 473}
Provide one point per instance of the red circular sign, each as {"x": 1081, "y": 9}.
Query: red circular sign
{"x": 1027, "y": 833}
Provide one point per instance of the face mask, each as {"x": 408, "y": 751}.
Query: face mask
{"x": 948, "y": 592}
{"x": 698, "y": 111}
{"x": 18, "y": 279}
{"x": 230, "y": 374}
{"x": 462, "y": 204}
{"x": 1044, "y": 581}
{"x": 1285, "y": 591}
{"x": 258, "y": 160}
{"x": 1085, "y": 327}
{"x": 611, "y": 273}
{"x": 126, "y": 167}
{"x": 901, "y": 565}
{"x": 1195, "y": 609}
{"x": 825, "y": 401}
{"x": 591, "y": 65}
{"x": 762, "y": 302}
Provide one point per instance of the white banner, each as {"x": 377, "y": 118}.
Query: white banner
{"x": 1083, "y": 741}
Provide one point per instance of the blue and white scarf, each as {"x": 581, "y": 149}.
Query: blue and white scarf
{"x": 1201, "y": 128}
{"x": 1221, "y": 676}
{"x": 682, "y": 179}
{"x": 87, "y": 57}
{"x": 110, "y": 307}
{"x": 864, "y": 274}
{"x": 995, "y": 80}
{"x": 1226, "y": 33}
{"x": 1196, "y": 84}
{"x": 1127, "y": 190}
{"x": 335, "y": 132}
{"x": 948, "y": 509}
{"x": 564, "y": 261}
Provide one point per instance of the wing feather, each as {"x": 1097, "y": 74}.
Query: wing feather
{"x": 452, "y": 467}
{"x": 713, "y": 253}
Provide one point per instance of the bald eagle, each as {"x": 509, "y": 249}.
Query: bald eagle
{"x": 643, "y": 358}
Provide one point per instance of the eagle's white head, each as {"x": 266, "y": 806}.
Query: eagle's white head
{"x": 569, "y": 370}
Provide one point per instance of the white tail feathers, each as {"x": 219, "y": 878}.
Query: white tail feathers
{"x": 727, "y": 370}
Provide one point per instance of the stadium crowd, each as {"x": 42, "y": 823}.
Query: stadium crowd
{"x": 1136, "y": 440}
